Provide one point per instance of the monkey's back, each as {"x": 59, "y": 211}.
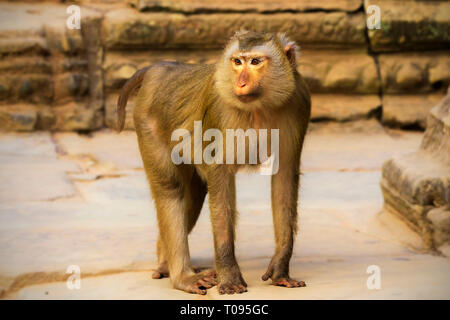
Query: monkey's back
{"x": 174, "y": 92}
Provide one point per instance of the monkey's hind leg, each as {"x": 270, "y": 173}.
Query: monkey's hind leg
{"x": 171, "y": 206}
{"x": 170, "y": 185}
{"x": 163, "y": 268}
{"x": 196, "y": 197}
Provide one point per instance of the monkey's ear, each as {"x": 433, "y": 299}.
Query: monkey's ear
{"x": 290, "y": 48}
{"x": 290, "y": 51}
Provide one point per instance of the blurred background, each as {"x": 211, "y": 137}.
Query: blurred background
{"x": 375, "y": 186}
{"x": 54, "y": 78}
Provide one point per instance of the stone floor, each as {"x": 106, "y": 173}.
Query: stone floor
{"x": 69, "y": 199}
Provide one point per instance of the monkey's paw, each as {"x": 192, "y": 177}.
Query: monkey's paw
{"x": 288, "y": 283}
{"x": 283, "y": 281}
{"x": 232, "y": 287}
{"x": 197, "y": 283}
{"x": 161, "y": 272}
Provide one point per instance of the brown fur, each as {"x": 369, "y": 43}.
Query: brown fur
{"x": 173, "y": 96}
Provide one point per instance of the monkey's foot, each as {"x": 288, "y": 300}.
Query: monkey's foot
{"x": 161, "y": 272}
{"x": 282, "y": 281}
{"x": 197, "y": 283}
{"x": 233, "y": 286}
{"x": 288, "y": 283}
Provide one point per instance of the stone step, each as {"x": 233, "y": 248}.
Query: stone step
{"x": 420, "y": 178}
{"x": 417, "y": 184}
{"x": 413, "y": 186}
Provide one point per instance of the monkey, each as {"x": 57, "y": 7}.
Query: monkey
{"x": 254, "y": 84}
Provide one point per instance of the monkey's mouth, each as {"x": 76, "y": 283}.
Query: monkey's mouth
{"x": 248, "y": 97}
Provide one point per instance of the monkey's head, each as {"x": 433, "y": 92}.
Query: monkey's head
{"x": 257, "y": 70}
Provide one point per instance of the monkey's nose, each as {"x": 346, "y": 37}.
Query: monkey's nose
{"x": 241, "y": 85}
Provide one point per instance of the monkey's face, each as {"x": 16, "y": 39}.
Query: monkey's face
{"x": 257, "y": 71}
{"x": 249, "y": 69}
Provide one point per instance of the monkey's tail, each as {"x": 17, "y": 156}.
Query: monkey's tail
{"x": 129, "y": 86}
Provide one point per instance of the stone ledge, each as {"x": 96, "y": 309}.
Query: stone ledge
{"x": 261, "y": 6}
{"x": 126, "y": 29}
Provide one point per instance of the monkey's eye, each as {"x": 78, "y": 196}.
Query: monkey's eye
{"x": 255, "y": 61}
{"x": 237, "y": 62}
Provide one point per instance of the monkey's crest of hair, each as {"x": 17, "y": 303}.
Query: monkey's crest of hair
{"x": 278, "y": 83}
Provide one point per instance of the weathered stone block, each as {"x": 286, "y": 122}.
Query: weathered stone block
{"x": 414, "y": 185}
{"x": 46, "y": 118}
{"x": 33, "y": 64}
{"x": 339, "y": 71}
{"x": 440, "y": 218}
{"x": 77, "y": 116}
{"x": 126, "y": 29}
{"x": 18, "y": 118}
{"x": 420, "y": 178}
{"x": 408, "y": 110}
{"x": 341, "y": 107}
{"x": 61, "y": 39}
{"x": 29, "y": 87}
{"x": 23, "y": 45}
{"x": 420, "y": 72}
{"x": 70, "y": 85}
{"x": 407, "y": 25}
{"x": 39, "y": 27}
{"x": 414, "y": 215}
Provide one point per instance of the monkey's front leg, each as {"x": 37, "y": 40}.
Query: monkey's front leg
{"x": 222, "y": 201}
{"x": 284, "y": 209}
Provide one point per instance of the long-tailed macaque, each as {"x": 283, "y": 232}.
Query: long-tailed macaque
{"x": 255, "y": 85}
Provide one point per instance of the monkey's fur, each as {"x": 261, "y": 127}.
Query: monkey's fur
{"x": 235, "y": 93}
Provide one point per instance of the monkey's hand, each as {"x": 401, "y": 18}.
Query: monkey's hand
{"x": 282, "y": 280}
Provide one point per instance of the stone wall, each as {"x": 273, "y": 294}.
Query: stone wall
{"x": 53, "y": 78}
